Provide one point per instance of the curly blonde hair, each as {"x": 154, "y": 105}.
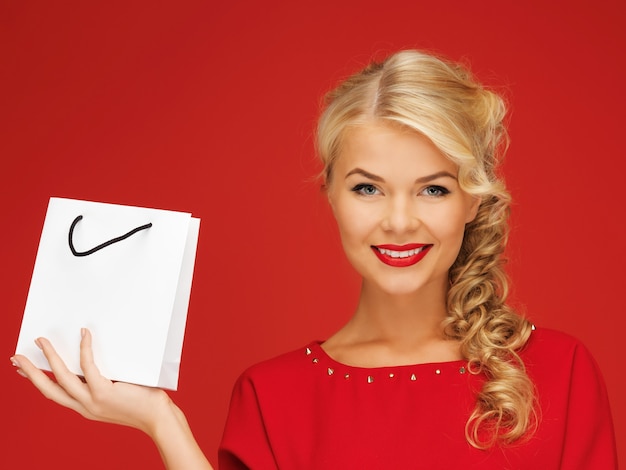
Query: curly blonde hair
{"x": 441, "y": 100}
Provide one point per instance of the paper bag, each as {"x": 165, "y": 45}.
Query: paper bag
{"x": 123, "y": 272}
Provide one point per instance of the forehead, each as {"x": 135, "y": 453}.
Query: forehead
{"x": 390, "y": 149}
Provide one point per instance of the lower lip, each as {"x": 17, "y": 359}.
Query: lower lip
{"x": 402, "y": 262}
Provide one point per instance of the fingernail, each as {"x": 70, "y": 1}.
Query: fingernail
{"x": 17, "y": 364}
{"x": 38, "y": 343}
{"x": 82, "y": 332}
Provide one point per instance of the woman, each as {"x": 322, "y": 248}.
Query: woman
{"x": 433, "y": 370}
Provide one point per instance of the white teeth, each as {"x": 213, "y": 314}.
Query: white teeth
{"x": 400, "y": 254}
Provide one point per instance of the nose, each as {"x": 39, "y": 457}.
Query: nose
{"x": 400, "y": 216}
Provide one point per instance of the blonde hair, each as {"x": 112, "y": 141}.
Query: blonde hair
{"x": 442, "y": 101}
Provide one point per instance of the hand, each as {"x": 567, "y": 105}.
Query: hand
{"x": 95, "y": 397}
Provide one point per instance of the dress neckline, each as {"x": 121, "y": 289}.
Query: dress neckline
{"x": 438, "y": 371}
{"x": 318, "y": 346}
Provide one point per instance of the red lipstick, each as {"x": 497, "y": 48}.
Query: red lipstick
{"x": 398, "y": 256}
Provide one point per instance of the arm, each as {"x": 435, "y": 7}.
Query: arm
{"x": 97, "y": 398}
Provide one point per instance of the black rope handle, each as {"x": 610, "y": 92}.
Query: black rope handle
{"x": 103, "y": 245}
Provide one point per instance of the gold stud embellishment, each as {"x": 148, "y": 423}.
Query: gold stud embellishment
{"x": 330, "y": 371}
{"x": 462, "y": 370}
{"x": 413, "y": 377}
{"x": 347, "y": 376}
{"x": 308, "y": 351}
{"x": 392, "y": 375}
{"x": 438, "y": 372}
{"x": 315, "y": 360}
{"x": 533, "y": 327}
{"x": 370, "y": 379}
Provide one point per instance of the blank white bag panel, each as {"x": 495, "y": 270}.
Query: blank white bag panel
{"x": 132, "y": 294}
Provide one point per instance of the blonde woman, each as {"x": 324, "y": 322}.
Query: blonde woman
{"x": 433, "y": 370}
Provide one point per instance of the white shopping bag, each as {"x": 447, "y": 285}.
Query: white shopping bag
{"x": 123, "y": 272}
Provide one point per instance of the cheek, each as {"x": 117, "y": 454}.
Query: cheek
{"x": 449, "y": 226}
{"x": 350, "y": 226}
{"x": 353, "y": 235}
{"x": 355, "y": 223}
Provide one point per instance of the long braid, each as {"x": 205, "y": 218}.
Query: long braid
{"x": 489, "y": 331}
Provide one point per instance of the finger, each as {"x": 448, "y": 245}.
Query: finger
{"x": 44, "y": 384}
{"x": 87, "y": 364}
{"x": 72, "y": 385}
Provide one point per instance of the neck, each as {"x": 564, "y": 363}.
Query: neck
{"x": 406, "y": 317}
{"x": 391, "y": 329}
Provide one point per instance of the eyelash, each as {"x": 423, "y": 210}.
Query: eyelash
{"x": 359, "y": 188}
{"x": 441, "y": 191}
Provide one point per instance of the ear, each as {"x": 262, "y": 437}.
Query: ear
{"x": 472, "y": 210}
{"x": 326, "y": 190}
{"x": 330, "y": 199}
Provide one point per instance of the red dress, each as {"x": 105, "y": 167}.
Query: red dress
{"x": 303, "y": 410}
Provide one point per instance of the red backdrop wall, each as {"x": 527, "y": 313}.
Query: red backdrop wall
{"x": 209, "y": 107}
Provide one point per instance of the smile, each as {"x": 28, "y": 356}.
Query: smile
{"x": 401, "y": 256}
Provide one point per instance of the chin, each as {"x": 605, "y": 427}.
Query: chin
{"x": 407, "y": 283}
{"x": 402, "y": 288}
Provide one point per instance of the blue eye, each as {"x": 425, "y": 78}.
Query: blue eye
{"x": 365, "y": 189}
{"x": 435, "y": 191}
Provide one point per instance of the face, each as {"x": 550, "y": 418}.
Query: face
{"x": 399, "y": 208}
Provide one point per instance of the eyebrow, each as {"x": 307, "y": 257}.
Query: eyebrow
{"x": 422, "y": 179}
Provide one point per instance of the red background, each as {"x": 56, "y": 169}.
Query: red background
{"x": 209, "y": 107}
